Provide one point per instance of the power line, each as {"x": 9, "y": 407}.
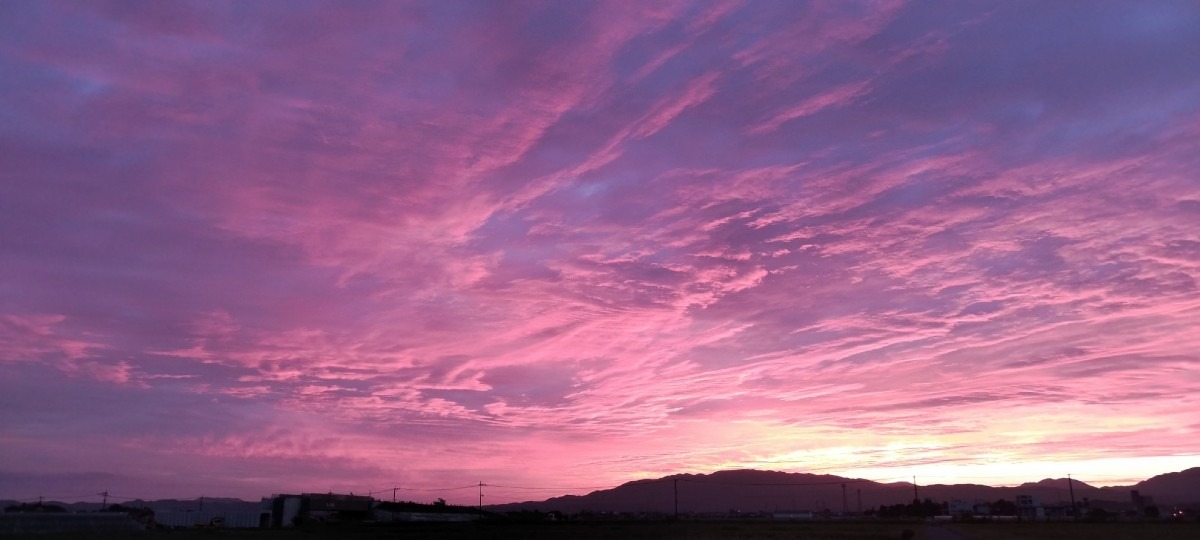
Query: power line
{"x": 422, "y": 489}
{"x": 111, "y": 496}
{"x": 1001, "y": 477}
{"x": 554, "y": 487}
{"x": 1071, "y": 486}
{"x": 831, "y": 483}
{"x": 676, "y": 498}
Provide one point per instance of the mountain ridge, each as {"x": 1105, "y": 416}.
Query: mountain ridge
{"x": 765, "y": 490}
{"x": 749, "y": 490}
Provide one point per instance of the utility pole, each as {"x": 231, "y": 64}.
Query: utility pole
{"x": 481, "y": 497}
{"x": 104, "y": 504}
{"x": 845, "y": 510}
{"x": 394, "y": 494}
{"x": 676, "y": 482}
{"x": 1071, "y": 487}
{"x": 916, "y": 497}
{"x": 202, "y": 503}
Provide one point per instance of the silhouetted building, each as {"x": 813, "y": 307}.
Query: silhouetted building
{"x": 1029, "y": 507}
{"x": 1140, "y": 502}
{"x": 1059, "y": 511}
{"x": 291, "y": 510}
{"x": 214, "y": 519}
{"x": 963, "y": 509}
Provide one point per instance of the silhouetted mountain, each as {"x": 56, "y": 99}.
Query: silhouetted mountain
{"x": 1170, "y": 488}
{"x": 758, "y": 491}
{"x": 724, "y": 491}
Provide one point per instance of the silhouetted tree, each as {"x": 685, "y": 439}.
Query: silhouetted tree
{"x": 917, "y": 509}
{"x": 35, "y": 508}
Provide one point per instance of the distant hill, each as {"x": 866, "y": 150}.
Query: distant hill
{"x": 1170, "y": 488}
{"x": 758, "y": 491}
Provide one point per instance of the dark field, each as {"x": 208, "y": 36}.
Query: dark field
{"x": 701, "y": 530}
{"x": 1078, "y": 531}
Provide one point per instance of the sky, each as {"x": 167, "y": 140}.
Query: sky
{"x": 260, "y": 247}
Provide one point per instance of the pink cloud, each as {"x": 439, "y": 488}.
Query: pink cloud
{"x": 840, "y": 96}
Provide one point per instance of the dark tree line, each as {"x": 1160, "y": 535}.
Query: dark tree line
{"x": 34, "y": 508}
{"x": 929, "y": 508}
{"x": 916, "y": 509}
